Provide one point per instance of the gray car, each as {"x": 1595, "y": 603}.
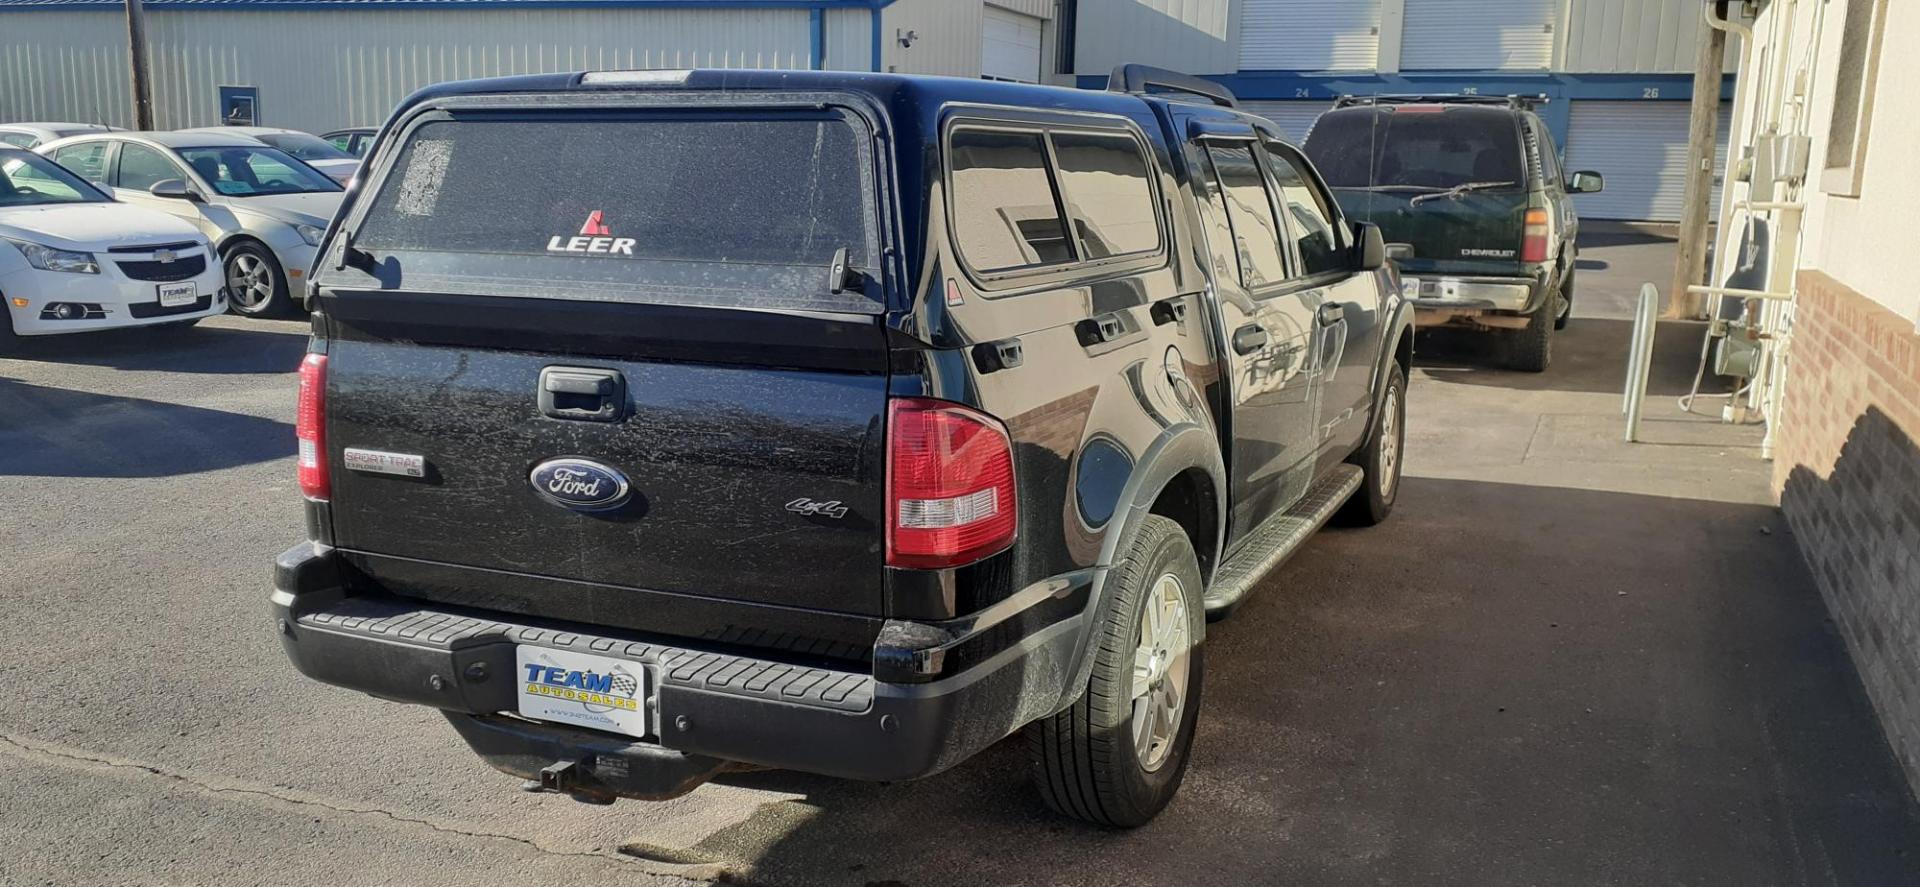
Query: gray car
{"x": 264, "y": 209}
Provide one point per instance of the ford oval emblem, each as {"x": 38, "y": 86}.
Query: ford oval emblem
{"x": 580, "y": 484}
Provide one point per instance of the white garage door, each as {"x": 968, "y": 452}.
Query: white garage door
{"x": 1504, "y": 35}
{"x": 1010, "y": 46}
{"x": 1641, "y": 147}
{"x": 1294, "y": 118}
{"x": 1309, "y": 35}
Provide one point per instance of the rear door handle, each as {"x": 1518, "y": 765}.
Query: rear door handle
{"x": 1332, "y": 313}
{"x": 584, "y": 394}
{"x": 1250, "y": 338}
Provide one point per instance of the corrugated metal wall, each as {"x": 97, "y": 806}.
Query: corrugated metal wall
{"x": 64, "y": 66}
{"x": 1036, "y": 8}
{"x": 1634, "y": 36}
{"x": 948, "y": 39}
{"x": 1641, "y": 147}
{"x": 1309, "y": 35}
{"x": 849, "y": 40}
{"x": 323, "y": 69}
{"x": 1295, "y": 118}
{"x": 1507, "y": 35}
{"x": 1195, "y": 36}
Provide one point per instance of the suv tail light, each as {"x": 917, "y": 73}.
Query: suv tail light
{"x": 309, "y": 428}
{"x": 1533, "y": 241}
{"x": 950, "y": 498}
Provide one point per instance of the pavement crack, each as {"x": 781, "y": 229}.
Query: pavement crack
{"x": 41, "y": 752}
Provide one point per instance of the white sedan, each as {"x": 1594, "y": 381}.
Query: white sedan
{"x": 72, "y": 259}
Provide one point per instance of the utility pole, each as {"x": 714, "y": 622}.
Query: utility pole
{"x": 137, "y": 57}
{"x": 1690, "y": 265}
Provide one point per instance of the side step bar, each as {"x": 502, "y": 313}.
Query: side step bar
{"x": 1276, "y": 540}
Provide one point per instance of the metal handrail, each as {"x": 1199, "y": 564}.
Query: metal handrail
{"x": 1646, "y": 318}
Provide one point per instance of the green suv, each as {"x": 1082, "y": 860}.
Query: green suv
{"x": 1474, "y": 186}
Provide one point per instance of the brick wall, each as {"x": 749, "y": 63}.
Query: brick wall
{"x": 1847, "y": 470}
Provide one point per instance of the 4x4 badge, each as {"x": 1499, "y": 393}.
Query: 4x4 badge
{"x": 831, "y": 508}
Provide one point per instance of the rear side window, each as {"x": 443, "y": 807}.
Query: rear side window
{"x": 1004, "y": 212}
{"x": 88, "y": 159}
{"x": 1417, "y": 147}
{"x": 17, "y": 139}
{"x": 735, "y": 209}
{"x": 1256, "y": 233}
{"x": 1109, "y": 199}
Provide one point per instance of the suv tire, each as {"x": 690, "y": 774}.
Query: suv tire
{"x": 1530, "y": 349}
{"x": 251, "y": 265}
{"x": 1089, "y": 761}
{"x": 1380, "y": 457}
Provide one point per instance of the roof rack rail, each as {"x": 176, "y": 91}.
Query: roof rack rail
{"x": 1516, "y": 102}
{"x": 1141, "y": 80}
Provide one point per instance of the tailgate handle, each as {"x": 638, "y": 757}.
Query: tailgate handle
{"x": 583, "y": 394}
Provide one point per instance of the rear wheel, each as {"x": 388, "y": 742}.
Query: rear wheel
{"x": 257, "y": 285}
{"x": 1380, "y": 457}
{"x": 1117, "y": 755}
{"x": 1530, "y": 349}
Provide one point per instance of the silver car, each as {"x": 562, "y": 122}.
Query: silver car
{"x": 316, "y": 151}
{"x": 264, "y": 209}
{"x": 33, "y": 135}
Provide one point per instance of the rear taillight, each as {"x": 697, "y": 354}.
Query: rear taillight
{"x": 1533, "y": 239}
{"x": 950, "y": 498}
{"x": 309, "y": 426}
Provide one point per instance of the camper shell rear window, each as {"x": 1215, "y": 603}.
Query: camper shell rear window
{"x": 681, "y": 204}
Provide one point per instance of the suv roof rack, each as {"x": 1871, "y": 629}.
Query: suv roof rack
{"x": 1141, "y": 80}
{"x": 1516, "y": 102}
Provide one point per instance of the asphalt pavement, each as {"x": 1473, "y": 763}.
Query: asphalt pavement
{"x": 1564, "y": 660}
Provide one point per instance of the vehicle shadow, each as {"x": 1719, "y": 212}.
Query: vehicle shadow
{"x": 202, "y": 349}
{"x": 1421, "y": 702}
{"x": 1590, "y": 355}
{"x": 1601, "y": 234}
{"x": 57, "y": 432}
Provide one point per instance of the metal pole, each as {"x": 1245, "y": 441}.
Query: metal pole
{"x": 1690, "y": 264}
{"x": 137, "y": 57}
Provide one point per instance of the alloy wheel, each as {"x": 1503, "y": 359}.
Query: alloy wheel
{"x": 1160, "y": 662}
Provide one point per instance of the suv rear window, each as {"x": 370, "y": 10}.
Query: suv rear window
{"x": 1417, "y": 147}
{"x": 745, "y": 209}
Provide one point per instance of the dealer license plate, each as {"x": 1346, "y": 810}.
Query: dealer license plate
{"x": 581, "y": 690}
{"x": 173, "y": 295}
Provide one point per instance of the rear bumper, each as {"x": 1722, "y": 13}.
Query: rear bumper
{"x": 708, "y": 709}
{"x": 1442, "y": 292}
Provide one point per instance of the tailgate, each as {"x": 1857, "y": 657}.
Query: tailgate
{"x": 1476, "y": 233}
{"x": 714, "y": 456}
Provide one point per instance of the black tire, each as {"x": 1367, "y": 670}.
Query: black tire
{"x": 248, "y": 266}
{"x": 1566, "y": 302}
{"x": 1084, "y": 759}
{"x": 1530, "y": 349}
{"x": 1382, "y": 457}
{"x": 9, "y": 340}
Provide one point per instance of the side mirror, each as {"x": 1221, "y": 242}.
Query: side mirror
{"x": 175, "y": 189}
{"x": 1587, "y": 181}
{"x": 1400, "y": 252}
{"x": 1370, "y": 246}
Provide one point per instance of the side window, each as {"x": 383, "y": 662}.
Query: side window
{"x": 1550, "y": 170}
{"x": 141, "y": 167}
{"x": 88, "y": 160}
{"x": 343, "y": 141}
{"x": 1256, "y": 233}
{"x": 1109, "y": 199}
{"x": 1004, "y": 212}
{"x": 1309, "y": 214}
{"x": 17, "y": 139}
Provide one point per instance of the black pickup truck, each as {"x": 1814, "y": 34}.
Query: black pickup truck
{"x": 660, "y": 424}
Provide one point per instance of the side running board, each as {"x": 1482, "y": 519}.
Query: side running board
{"x": 1278, "y": 538}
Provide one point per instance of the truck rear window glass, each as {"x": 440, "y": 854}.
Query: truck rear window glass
{"x": 1004, "y": 213}
{"x": 1104, "y": 179}
{"x": 633, "y": 207}
{"x": 1417, "y": 149}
